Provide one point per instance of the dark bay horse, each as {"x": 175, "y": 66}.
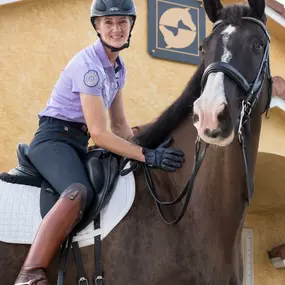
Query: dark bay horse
{"x": 223, "y": 103}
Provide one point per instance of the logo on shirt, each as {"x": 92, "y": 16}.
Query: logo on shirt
{"x": 91, "y": 78}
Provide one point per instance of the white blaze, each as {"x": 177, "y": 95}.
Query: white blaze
{"x": 213, "y": 99}
{"x": 227, "y": 55}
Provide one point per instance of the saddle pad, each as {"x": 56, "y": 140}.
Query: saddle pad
{"x": 20, "y": 212}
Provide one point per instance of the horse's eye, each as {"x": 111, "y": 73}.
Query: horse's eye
{"x": 257, "y": 47}
{"x": 201, "y": 49}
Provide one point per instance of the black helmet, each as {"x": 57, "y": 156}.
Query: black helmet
{"x": 101, "y": 8}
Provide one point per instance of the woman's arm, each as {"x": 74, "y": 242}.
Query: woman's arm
{"x": 95, "y": 116}
{"x": 162, "y": 157}
{"x": 119, "y": 124}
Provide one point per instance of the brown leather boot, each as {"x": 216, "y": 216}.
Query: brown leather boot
{"x": 54, "y": 229}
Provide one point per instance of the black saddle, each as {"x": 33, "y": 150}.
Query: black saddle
{"x": 102, "y": 168}
{"x": 24, "y": 167}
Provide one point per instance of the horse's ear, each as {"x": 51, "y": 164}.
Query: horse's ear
{"x": 258, "y": 7}
{"x": 212, "y": 8}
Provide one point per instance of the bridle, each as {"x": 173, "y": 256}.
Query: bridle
{"x": 252, "y": 92}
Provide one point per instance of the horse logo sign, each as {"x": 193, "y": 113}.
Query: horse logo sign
{"x": 175, "y": 29}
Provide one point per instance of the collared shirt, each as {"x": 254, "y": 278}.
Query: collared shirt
{"x": 88, "y": 72}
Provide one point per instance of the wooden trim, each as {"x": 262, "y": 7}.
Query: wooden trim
{"x": 247, "y": 253}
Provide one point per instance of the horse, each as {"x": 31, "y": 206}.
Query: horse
{"x": 221, "y": 110}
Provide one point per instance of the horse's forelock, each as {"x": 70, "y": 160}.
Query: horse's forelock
{"x": 232, "y": 14}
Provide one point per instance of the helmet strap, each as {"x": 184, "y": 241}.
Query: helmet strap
{"x": 114, "y": 49}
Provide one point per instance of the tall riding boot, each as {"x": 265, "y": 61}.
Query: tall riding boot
{"x": 54, "y": 229}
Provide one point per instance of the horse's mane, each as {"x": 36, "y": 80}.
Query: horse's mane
{"x": 156, "y": 132}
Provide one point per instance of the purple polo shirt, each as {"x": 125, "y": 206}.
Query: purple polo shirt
{"x": 89, "y": 72}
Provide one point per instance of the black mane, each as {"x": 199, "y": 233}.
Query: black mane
{"x": 160, "y": 129}
{"x": 182, "y": 107}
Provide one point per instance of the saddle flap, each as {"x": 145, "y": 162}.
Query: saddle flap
{"x": 103, "y": 171}
{"x": 95, "y": 170}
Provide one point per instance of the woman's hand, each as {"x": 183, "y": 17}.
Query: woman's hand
{"x": 164, "y": 157}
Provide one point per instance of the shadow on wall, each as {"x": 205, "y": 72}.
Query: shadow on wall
{"x": 269, "y": 199}
{"x": 269, "y": 193}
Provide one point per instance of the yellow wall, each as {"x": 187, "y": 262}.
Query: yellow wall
{"x": 37, "y": 40}
{"x": 268, "y": 231}
{"x": 266, "y": 214}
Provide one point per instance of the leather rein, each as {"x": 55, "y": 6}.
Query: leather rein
{"x": 252, "y": 92}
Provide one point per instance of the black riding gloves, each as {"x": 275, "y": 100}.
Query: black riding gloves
{"x": 164, "y": 157}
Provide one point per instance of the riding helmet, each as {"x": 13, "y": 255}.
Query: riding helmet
{"x": 101, "y": 8}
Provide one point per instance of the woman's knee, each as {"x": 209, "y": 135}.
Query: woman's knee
{"x": 81, "y": 192}
{"x": 86, "y": 191}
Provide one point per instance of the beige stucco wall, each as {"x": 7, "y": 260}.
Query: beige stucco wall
{"x": 39, "y": 37}
{"x": 266, "y": 214}
{"x": 268, "y": 231}
{"x": 37, "y": 40}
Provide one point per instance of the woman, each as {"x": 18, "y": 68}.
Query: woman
{"x": 91, "y": 83}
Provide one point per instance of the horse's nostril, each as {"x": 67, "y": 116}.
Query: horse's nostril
{"x": 213, "y": 134}
{"x": 195, "y": 118}
{"x": 224, "y": 114}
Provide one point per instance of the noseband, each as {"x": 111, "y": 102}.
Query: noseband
{"x": 251, "y": 90}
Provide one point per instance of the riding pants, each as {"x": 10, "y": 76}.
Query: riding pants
{"x": 58, "y": 150}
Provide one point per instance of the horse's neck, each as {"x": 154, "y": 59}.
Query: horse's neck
{"x": 222, "y": 168}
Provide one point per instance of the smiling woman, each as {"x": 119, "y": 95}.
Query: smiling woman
{"x": 90, "y": 84}
{"x": 114, "y": 31}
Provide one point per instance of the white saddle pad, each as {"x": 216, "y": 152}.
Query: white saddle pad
{"x": 20, "y": 212}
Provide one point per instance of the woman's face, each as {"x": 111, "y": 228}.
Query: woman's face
{"x": 114, "y": 30}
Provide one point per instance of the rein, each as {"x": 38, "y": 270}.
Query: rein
{"x": 186, "y": 192}
{"x": 252, "y": 91}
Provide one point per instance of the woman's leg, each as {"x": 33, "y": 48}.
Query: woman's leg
{"x": 54, "y": 229}
{"x": 59, "y": 163}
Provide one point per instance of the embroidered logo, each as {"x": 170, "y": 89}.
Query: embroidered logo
{"x": 114, "y": 9}
{"x": 91, "y": 78}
